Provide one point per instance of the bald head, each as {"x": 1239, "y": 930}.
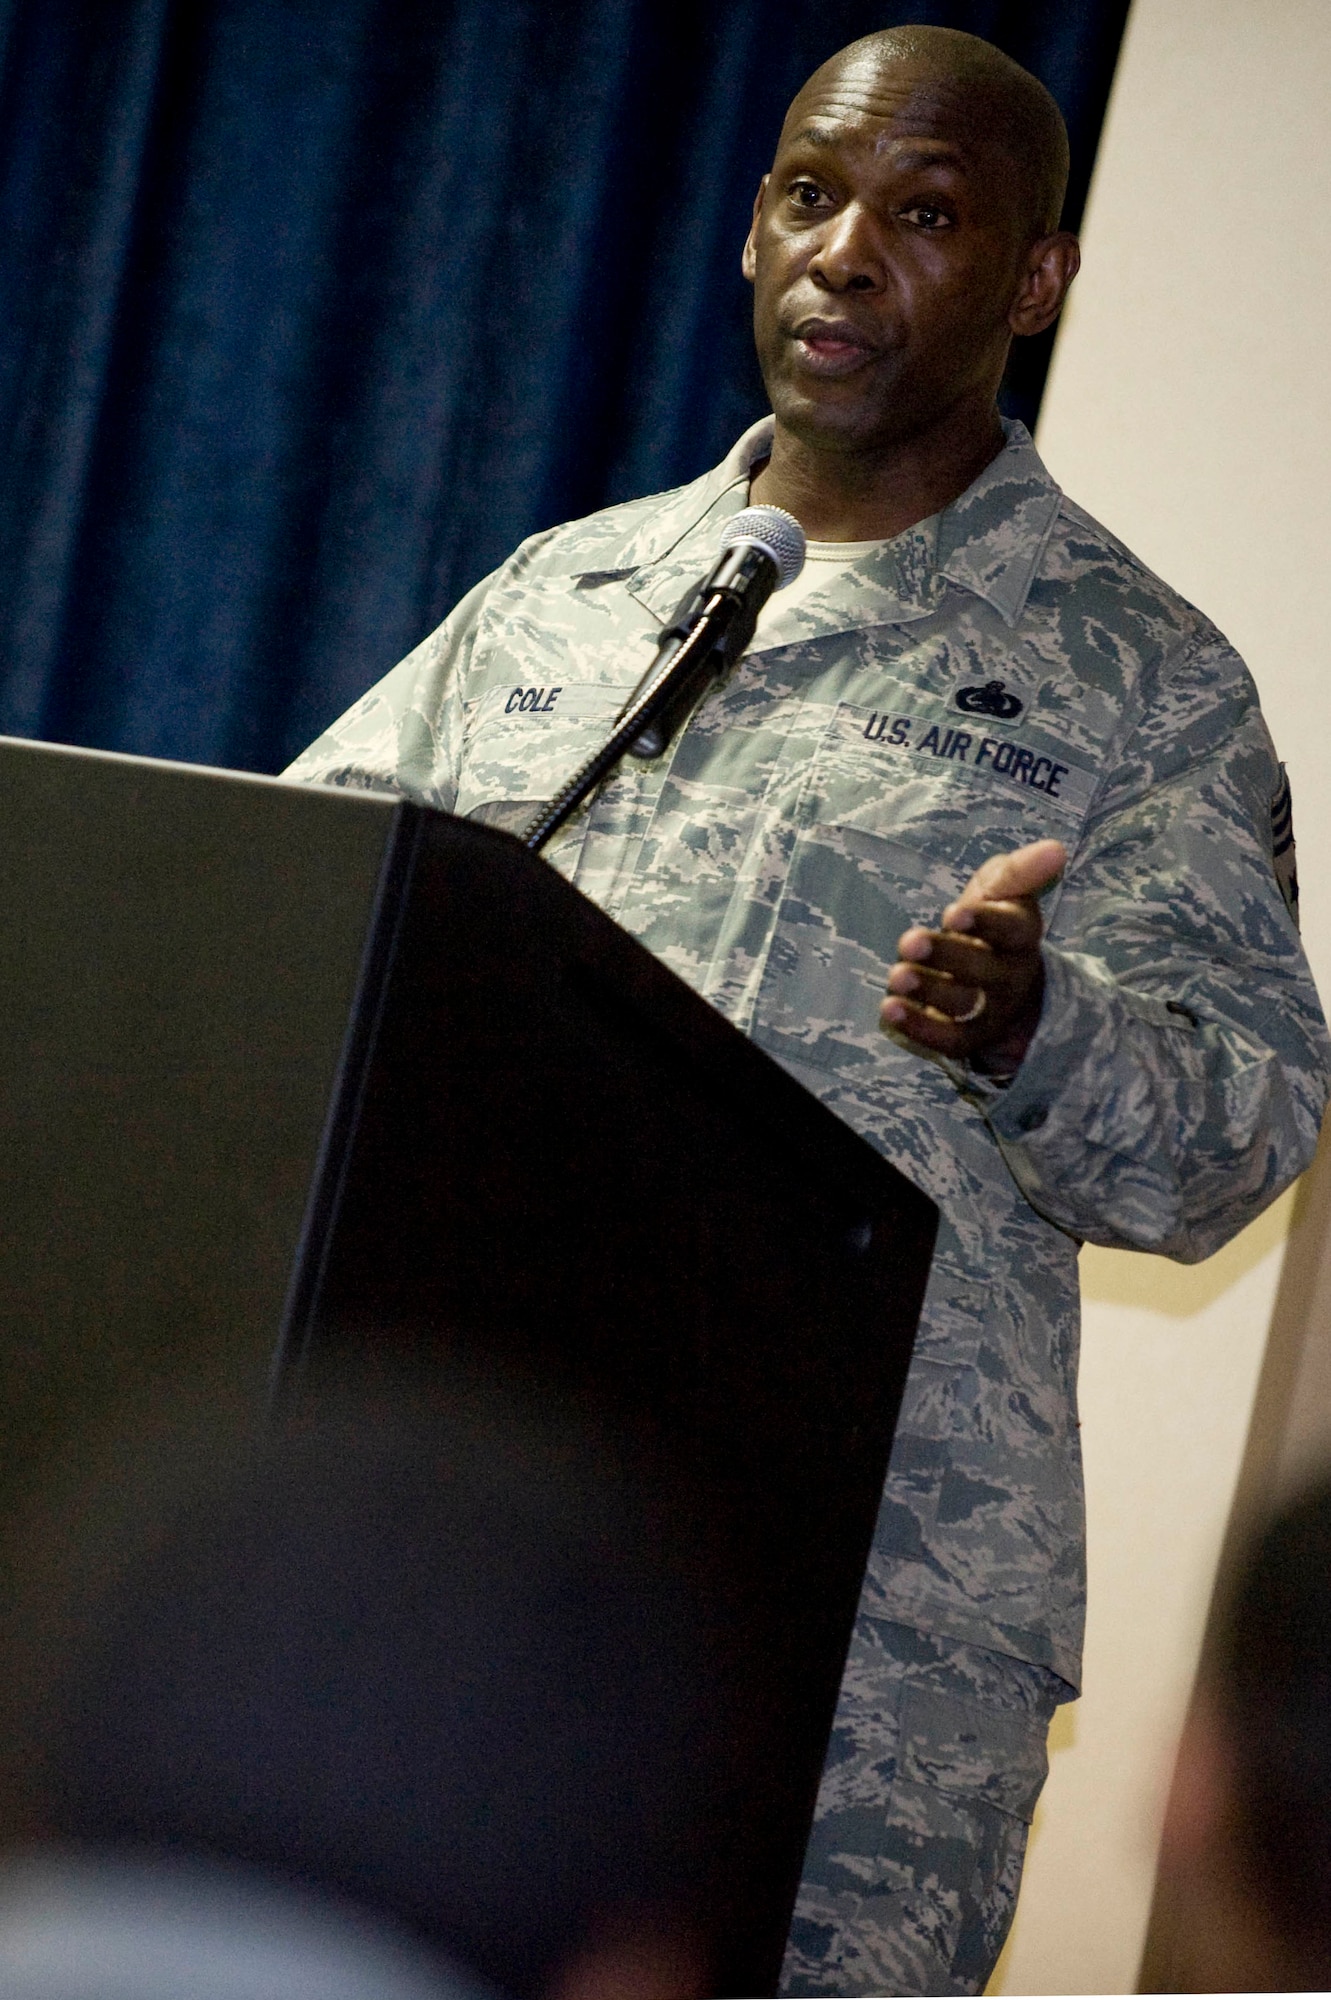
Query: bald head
{"x": 991, "y": 103}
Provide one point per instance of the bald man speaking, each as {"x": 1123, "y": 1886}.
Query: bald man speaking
{"x": 986, "y": 842}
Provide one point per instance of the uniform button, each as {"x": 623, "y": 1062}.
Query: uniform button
{"x": 1032, "y": 1118}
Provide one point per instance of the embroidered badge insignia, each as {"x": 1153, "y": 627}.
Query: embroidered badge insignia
{"x": 991, "y": 699}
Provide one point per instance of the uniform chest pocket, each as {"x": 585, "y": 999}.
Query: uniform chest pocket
{"x": 524, "y": 742}
{"x": 922, "y": 772}
{"x": 893, "y": 822}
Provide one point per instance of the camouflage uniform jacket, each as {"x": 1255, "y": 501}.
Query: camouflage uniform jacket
{"x": 1001, "y": 672}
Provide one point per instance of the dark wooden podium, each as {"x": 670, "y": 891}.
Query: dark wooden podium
{"x": 277, "y": 1061}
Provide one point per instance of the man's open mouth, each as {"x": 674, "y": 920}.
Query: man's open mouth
{"x": 832, "y": 346}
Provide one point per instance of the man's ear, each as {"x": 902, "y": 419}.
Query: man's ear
{"x": 748, "y": 263}
{"x": 1051, "y": 265}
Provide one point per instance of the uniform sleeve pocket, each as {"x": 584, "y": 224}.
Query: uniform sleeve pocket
{"x": 998, "y": 1756}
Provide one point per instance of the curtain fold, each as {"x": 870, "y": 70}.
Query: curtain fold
{"x": 312, "y": 309}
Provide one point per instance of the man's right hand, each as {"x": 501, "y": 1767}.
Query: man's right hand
{"x": 973, "y": 989}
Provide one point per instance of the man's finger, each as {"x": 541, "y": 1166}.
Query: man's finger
{"x": 1023, "y": 872}
{"x": 965, "y": 958}
{"x": 1006, "y": 926}
{"x": 1001, "y": 931}
{"x": 950, "y": 948}
{"x": 951, "y": 997}
{"x": 927, "y": 1026}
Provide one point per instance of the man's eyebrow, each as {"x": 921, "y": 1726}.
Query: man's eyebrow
{"x": 947, "y": 156}
{"x": 914, "y": 157}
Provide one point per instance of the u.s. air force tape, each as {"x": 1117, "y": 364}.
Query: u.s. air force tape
{"x": 1067, "y": 786}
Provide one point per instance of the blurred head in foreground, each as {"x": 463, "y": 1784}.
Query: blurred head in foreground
{"x": 1246, "y": 1853}
{"x": 449, "y": 1666}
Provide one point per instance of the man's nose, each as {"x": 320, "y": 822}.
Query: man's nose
{"x": 849, "y": 256}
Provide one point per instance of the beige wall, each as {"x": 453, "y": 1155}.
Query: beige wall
{"x": 1190, "y": 409}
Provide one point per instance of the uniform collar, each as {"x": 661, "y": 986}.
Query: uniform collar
{"x": 988, "y": 541}
{"x": 991, "y": 539}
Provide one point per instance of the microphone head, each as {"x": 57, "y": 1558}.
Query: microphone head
{"x": 774, "y": 531}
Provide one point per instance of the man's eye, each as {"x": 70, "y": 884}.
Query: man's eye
{"x": 806, "y": 194}
{"x": 925, "y": 216}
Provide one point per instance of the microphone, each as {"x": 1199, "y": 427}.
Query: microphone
{"x": 763, "y": 551}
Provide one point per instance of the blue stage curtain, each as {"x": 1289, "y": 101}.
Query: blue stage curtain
{"x": 312, "y": 309}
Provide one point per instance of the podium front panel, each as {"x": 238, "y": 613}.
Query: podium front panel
{"x": 554, "y": 1155}
{"x": 263, "y": 1043}
{"x": 179, "y": 953}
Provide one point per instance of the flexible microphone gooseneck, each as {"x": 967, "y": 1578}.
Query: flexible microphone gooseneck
{"x": 713, "y": 624}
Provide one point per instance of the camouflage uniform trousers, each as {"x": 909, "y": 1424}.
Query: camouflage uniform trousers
{"x": 937, "y": 1758}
